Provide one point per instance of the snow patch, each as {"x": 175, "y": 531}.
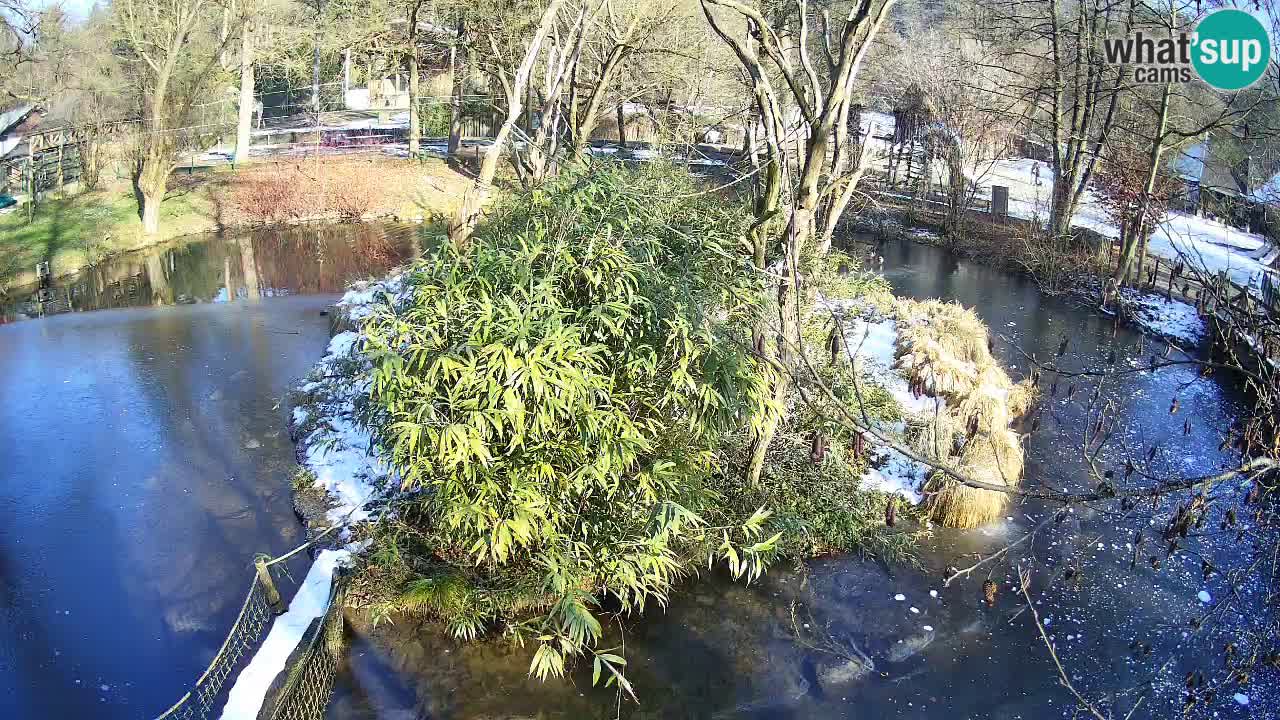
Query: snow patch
{"x": 1205, "y": 244}
{"x": 340, "y": 452}
{"x": 311, "y": 601}
{"x": 1171, "y": 319}
{"x": 871, "y": 343}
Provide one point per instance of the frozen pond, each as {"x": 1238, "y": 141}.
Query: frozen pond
{"x": 145, "y": 460}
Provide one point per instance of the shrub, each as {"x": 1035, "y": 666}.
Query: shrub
{"x": 558, "y": 393}
{"x": 434, "y": 118}
{"x": 290, "y": 191}
{"x": 269, "y": 195}
{"x": 353, "y": 188}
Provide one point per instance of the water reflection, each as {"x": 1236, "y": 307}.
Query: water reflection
{"x": 266, "y": 262}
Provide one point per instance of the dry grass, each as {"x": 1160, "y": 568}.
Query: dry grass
{"x": 944, "y": 349}
{"x": 348, "y": 189}
{"x": 1022, "y": 397}
{"x": 936, "y": 437}
{"x": 994, "y": 458}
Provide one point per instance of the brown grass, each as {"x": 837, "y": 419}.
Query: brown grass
{"x": 348, "y": 189}
{"x": 994, "y": 458}
{"x": 944, "y": 348}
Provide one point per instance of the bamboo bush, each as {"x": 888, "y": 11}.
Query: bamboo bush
{"x": 556, "y": 393}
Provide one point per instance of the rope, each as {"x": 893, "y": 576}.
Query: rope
{"x": 307, "y": 544}
{"x": 200, "y": 703}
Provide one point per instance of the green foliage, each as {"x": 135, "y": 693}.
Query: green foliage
{"x": 433, "y": 118}
{"x": 559, "y": 393}
{"x": 303, "y": 478}
{"x": 840, "y": 275}
{"x": 820, "y": 508}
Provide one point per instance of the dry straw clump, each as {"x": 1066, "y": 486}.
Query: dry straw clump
{"x": 945, "y": 351}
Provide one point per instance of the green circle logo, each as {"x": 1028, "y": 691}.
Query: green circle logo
{"x": 1231, "y": 49}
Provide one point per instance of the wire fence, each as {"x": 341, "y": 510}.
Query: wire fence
{"x": 204, "y": 700}
{"x": 306, "y": 689}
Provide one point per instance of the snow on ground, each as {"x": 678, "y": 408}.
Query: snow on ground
{"x": 311, "y": 601}
{"x": 1171, "y": 319}
{"x": 872, "y": 342}
{"x": 339, "y": 451}
{"x": 1207, "y": 244}
{"x": 1211, "y": 246}
{"x": 1030, "y": 184}
{"x": 359, "y": 300}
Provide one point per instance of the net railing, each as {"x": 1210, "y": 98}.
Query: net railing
{"x": 310, "y": 680}
{"x": 204, "y": 699}
{"x": 307, "y": 689}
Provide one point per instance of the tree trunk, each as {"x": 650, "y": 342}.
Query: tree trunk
{"x": 151, "y": 179}
{"x": 622, "y": 123}
{"x": 315, "y": 64}
{"x": 415, "y": 125}
{"x": 458, "y": 70}
{"x": 151, "y": 211}
{"x": 581, "y": 126}
{"x": 1137, "y": 243}
{"x": 473, "y": 201}
{"x": 244, "y": 119}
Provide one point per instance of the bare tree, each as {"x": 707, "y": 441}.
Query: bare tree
{"x": 822, "y": 99}
{"x": 1058, "y": 77}
{"x": 172, "y": 56}
{"x": 18, "y": 22}
{"x": 514, "y": 81}
{"x": 459, "y": 69}
{"x": 247, "y": 101}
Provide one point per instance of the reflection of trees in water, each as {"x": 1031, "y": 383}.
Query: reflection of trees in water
{"x": 264, "y": 262}
{"x": 325, "y": 259}
{"x": 249, "y": 269}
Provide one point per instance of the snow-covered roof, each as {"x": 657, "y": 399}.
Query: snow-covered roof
{"x": 1268, "y": 192}
{"x": 1188, "y": 163}
{"x": 14, "y": 116}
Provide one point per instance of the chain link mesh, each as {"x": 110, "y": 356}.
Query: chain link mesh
{"x": 306, "y": 689}
{"x": 246, "y": 633}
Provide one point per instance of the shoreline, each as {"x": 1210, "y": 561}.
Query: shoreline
{"x": 77, "y": 231}
{"x": 1140, "y": 308}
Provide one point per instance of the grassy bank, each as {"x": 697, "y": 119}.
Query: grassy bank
{"x": 77, "y": 230}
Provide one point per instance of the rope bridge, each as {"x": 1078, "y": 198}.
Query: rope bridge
{"x": 305, "y": 692}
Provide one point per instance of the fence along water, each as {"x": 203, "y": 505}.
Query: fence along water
{"x": 308, "y": 682}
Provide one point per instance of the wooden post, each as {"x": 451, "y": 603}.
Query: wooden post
{"x": 269, "y": 586}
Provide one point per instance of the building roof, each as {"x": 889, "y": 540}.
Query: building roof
{"x": 13, "y": 116}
